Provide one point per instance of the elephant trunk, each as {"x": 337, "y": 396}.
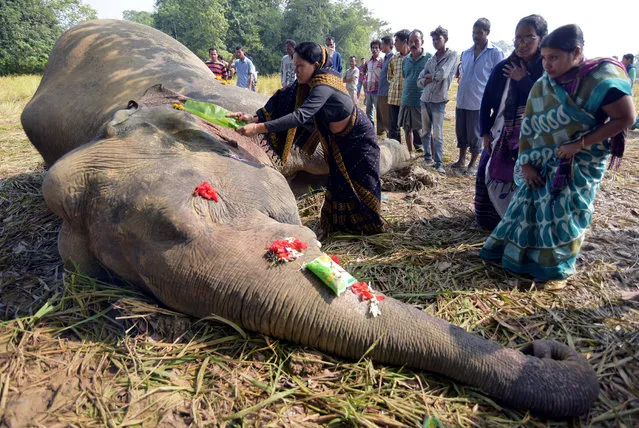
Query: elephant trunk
{"x": 285, "y": 302}
{"x": 222, "y": 271}
{"x": 569, "y": 384}
{"x": 547, "y": 378}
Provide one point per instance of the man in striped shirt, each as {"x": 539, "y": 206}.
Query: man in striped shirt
{"x": 216, "y": 66}
{"x": 395, "y": 81}
{"x": 373, "y": 69}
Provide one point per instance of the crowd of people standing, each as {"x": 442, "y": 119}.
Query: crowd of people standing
{"x": 241, "y": 65}
{"x": 539, "y": 125}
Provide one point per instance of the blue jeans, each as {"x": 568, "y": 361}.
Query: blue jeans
{"x": 433, "y": 124}
{"x": 371, "y": 102}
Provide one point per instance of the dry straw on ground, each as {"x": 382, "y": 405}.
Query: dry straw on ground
{"x": 79, "y": 352}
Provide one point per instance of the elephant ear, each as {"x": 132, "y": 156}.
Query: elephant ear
{"x": 159, "y": 95}
{"x": 156, "y": 95}
{"x": 154, "y": 112}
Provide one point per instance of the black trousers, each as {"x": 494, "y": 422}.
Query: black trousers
{"x": 393, "y": 126}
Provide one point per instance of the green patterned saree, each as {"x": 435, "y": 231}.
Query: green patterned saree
{"x": 542, "y": 230}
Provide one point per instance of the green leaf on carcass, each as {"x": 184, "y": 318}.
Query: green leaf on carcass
{"x": 213, "y": 113}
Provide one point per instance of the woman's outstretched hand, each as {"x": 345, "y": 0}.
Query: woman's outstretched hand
{"x": 245, "y": 117}
{"x": 249, "y": 130}
{"x": 531, "y": 176}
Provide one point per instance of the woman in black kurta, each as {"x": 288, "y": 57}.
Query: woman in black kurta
{"x": 317, "y": 108}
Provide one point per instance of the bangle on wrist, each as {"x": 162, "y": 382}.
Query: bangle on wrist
{"x": 582, "y": 144}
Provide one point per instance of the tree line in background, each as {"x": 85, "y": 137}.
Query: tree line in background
{"x": 262, "y": 26}
{"x": 29, "y": 28}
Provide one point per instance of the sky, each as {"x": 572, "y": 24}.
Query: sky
{"x": 606, "y": 32}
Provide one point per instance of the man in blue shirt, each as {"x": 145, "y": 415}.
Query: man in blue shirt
{"x": 476, "y": 66}
{"x": 382, "y": 92}
{"x": 335, "y": 56}
{"x": 245, "y": 69}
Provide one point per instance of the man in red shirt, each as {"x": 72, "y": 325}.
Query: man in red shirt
{"x": 216, "y": 66}
{"x": 373, "y": 69}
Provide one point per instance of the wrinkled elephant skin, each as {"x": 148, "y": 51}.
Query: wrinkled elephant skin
{"x": 127, "y": 204}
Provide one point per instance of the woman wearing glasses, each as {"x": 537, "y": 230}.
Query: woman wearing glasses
{"x": 502, "y": 109}
{"x": 564, "y": 148}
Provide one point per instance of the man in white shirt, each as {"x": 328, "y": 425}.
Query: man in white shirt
{"x": 287, "y": 69}
{"x": 477, "y": 63}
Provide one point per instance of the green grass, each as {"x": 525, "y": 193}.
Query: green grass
{"x": 18, "y": 88}
{"x": 268, "y": 85}
{"x": 16, "y": 151}
{"x": 75, "y": 351}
